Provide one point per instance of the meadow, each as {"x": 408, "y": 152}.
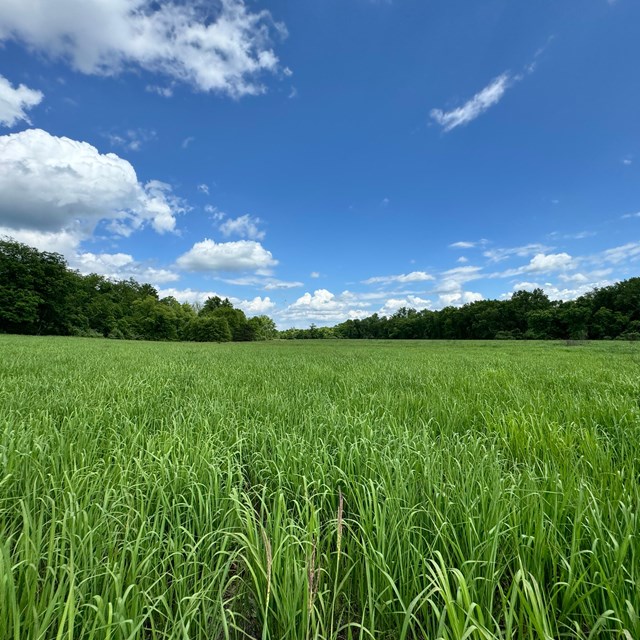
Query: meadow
{"x": 319, "y": 489}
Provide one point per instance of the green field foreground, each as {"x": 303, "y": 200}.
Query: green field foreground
{"x": 319, "y": 490}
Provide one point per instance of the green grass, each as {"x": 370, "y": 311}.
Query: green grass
{"x": 319, "y": 490}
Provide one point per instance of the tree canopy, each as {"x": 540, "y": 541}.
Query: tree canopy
{"x": 39, "y": 294}
{"x": 606, "y": 313}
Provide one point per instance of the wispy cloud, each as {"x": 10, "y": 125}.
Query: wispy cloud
{"x": 481, "y": 102}
{"x": 464, "y": 244}
{"x": 414, "y": 276}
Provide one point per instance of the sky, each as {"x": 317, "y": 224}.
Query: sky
{"x": 319, "y": 160}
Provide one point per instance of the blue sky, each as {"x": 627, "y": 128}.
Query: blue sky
{"x": 324, "y": 159}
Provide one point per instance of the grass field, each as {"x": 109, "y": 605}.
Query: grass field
{"x": 319, "y": 490}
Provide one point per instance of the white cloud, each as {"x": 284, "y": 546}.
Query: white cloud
{"x": 555, "y": 292}
{"x": 120, "y": 266}
{"x": 15, "y": 102}
{"x": 203, "y": 188}
{"x": 497, "y": 255}
{"x": 462, "y": 245}
{"x": 627, "y": 161}
{"x": 462, "y": 260}
{"x": 226, "y": 51}
{"x": 266, "y": 283}
{"x": 274, "y": 285}
{"x": 465, "y": 244}
{"x": 452, "y": 280}
{"x": 243, "y": 226}
{"x": 410, "y": 302}
{"x": 541, "y": 263}
{"x": 629, "y": 252}
{"x": 631, "y": 215}
{"x": 132, "y": 139}
{"x": 165, "y": 92}
{"x": 323, "y": 307}
{"x": 51, "y": 185}
{"x": 64, "y": 241}
{"x": 243, "y": 255}
{"x": 188, "y": 295}
{"x": 483, "y": 100}
{"x": 257, "y": 306}
{"x": 458, "y": 298}
{"x": 315, "y": 274}
{"x": 414, "y": 276}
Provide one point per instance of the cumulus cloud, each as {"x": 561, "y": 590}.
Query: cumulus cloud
{"x": 226, "y": 49}
{"x": 476, "y": 106}
{"x": 458, "y": 298}
{"x": 243, "y": 255}
{"x": 410, "y": 302}
{"x": 323, "y": 307}
{"x": 414, "y": 276}
{"x": 15, "y": 102}
{"x": 542, "y": 263}
{"x": 256, "y": 306}
{"x": 57, "y": 189}
{"x": 120, "y": 266}
{"x": 243, "y": 226}
{"x": 555, "y": 292}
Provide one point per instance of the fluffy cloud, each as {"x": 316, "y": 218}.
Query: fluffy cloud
{"x": 410, "y": 302}
{"x": 15, "y": 102}
{"x": 120, "y": 266}
{"x": 555, "y": 292}
{"x": 541, "y": 263}
{"x": 243, "y": 255}
{"x": 243, "y": 226}
{"x": 414, "y": 276}
{"x": 257, "y": 306}
{"x": 58, "y": 189}
{"x": 323, "y": 307}
{"x": 483, "y": 100}
{"x": 458, "y": 298}
{"x": 225, "y": 51}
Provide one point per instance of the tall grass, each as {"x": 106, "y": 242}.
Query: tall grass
{"x": 319, "y": 490}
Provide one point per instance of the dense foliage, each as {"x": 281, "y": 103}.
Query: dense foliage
{"x": 606, "y": 313}
{"x": 319, "y": 490}
{"x": 40, "y": 295}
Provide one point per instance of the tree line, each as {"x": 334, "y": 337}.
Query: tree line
{"x": 41, "y": 295}
{"x": 605, "y": 313}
